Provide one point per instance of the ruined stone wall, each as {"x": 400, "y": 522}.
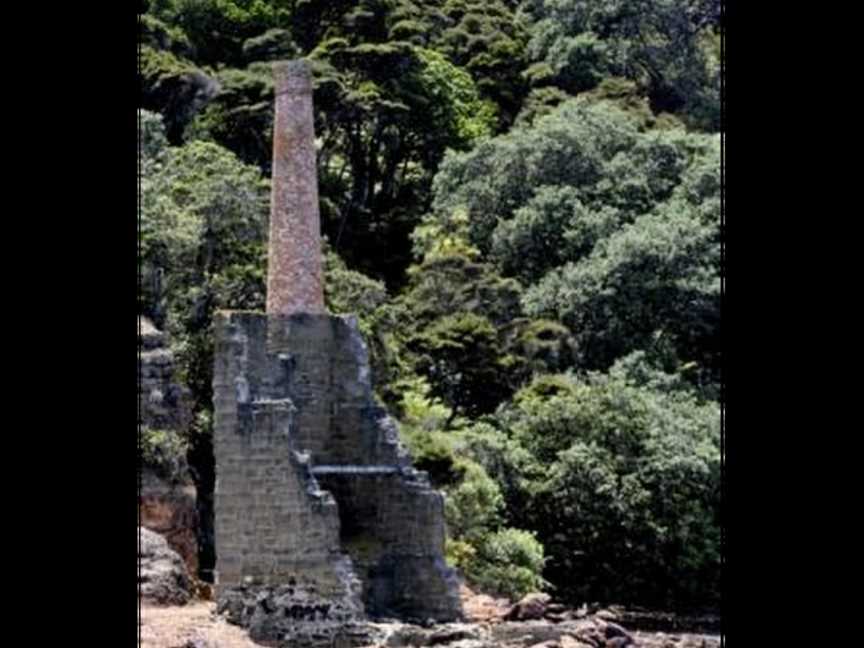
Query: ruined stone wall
{"x": 327, "y": 376}
{"x": 392, "y": 527}
{"x": 272, "y": 523}
{"x": 310, "y": 471}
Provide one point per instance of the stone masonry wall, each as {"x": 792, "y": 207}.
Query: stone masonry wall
{"x": 272, "y": 524}
{"x": 312, "y": 482}
{"x": 392, "y": 527}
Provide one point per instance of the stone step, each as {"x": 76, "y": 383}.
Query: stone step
{"x": 348, "y": 469}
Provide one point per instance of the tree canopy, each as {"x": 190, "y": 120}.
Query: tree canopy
{"x": 521, "y": 201}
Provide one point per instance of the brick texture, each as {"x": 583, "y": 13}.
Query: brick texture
{"x": 309, "y": 469}
{"x": 294, "y": 276}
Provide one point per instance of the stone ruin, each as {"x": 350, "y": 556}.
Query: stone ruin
{"x": 320, "y": 520}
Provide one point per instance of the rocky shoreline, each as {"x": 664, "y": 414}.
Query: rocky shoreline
{"x": 590, "y": 632}
{"x": 174, "y": 616}
{"x": 197, "y": 625}
{"x": 537, "y": 622}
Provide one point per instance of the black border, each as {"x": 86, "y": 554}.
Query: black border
{"x": 71, "y": 304}
{"x": 778, "y": 101}
{"x": 71, "y": 92}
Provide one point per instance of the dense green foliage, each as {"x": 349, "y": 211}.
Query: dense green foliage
{"x": 521, "y": 203}
{"x": 614, "y": 231}
{"x": 498, "y": 558}
{"x": 624, "y": 493}
{"x": 163, "y": 452}
{"x": 669, "y": 48}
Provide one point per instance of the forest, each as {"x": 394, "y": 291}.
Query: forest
{"x": 521, "y": 202}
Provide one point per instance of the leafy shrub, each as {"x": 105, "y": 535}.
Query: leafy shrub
{"x": 473, "y": 507}
{"x": 164, "y": 452}
{"x": 174, "y": 87}
{"x": 508, "y": 562}
{"x": 217, "y": 29}
{"x": 496, "y": 559}
{"x": 239, "y": 117}
{"x": 502, "y": 560}
{"x": 203, "y": 216}
{"x": 465, "y": 114}
{"x": 466, "y": 367}
{"x": 624, "y": 487}
{"x": 151, "y": 136}
{"x": 546, "y": 346}
{"x": 349, "y": 291}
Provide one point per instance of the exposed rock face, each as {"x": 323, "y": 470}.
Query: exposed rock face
{"x": 169, "y": 510}
{"x": 167, "y": 499}
{"x": 162, "y": 401}
{"x": 295, "y": 613}
{"x": 482, "y": 608}
{"x": 162, "y": 575}
{"x": 531, "y": 606}
{"x": 313, "y": 487}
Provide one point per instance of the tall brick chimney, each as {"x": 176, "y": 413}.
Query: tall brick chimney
{"x": 294, "y": 273}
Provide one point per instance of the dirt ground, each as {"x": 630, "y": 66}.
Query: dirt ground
{"x": 188, "y": 626}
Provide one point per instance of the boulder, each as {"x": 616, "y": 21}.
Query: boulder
{"x": 592, "y": 635}
{"x": 530, "y": 607}
{"x": 169, "y": 509}
{"x": 162, "y": 574}
{"x": 149, "y": 337}
{"x": 452, "y": 633}
{"x": 482, "y": 608}
{"x": 615, "y": 631}
{"x": 529, "y": 633}
{"x": 547, "y": 644}
{"x": 296, "y": 615}
{"x": 472, "y": 643}
{"x": 618, "y": 642}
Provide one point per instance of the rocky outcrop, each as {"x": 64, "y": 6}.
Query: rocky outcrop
{"x": 297, "y": 613}
{"x": 557, "y": 627}
{"x": 163, "y": 402}
{"x": 531, "y": 606}
{"x": 196, "y": 626}
{"x": 162, "y": 575}
{"x": 167, "y": 497}
{"x": 482, "y": 608}
{"x": 589, "y": 632}
{"x": 169, "y": 510}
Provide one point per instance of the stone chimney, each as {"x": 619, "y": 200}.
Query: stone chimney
{"x": 294, "y": 273}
